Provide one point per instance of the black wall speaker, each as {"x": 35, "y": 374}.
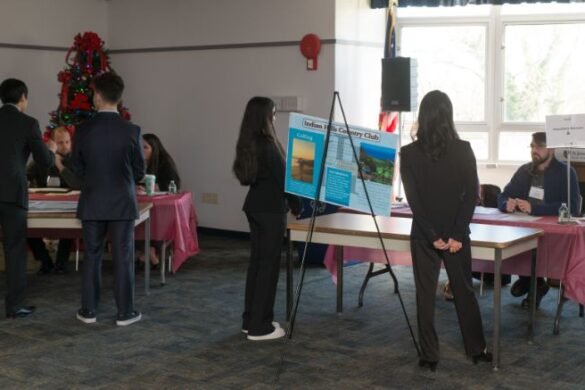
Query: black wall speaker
{"x": 378, "y": 3}
{"x": 399, "y": 86}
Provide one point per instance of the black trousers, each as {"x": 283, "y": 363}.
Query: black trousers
{"x": 427, "y": 263}
{"x": 13, "y": 222}
{"x": 266, "y": 235}
{"x": 40, "y": 252}
{"x": 94, "y": 238}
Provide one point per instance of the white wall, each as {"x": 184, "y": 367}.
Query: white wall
{"x": 358, "y": 57}
{"x": 156, "y": 23}
{"x": 53, "y": 24}
{"x": 194, "y": 99}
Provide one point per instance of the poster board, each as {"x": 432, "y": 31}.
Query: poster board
{"x": 341, "y": 183}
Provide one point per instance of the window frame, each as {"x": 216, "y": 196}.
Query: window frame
{"x": 495, "y": 24}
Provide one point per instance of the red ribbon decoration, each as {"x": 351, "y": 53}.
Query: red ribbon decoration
{"x": 88, "y": 43}
{"x": 65, "y": 78}
{"x": 80, "y": 102}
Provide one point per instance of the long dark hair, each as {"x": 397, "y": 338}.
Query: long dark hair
{"x": 257, "y": 124}
{"x": 436, "y": 128}
{"x": 159, "y": 155}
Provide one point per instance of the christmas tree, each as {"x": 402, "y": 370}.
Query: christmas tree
{"x": 85, "y": 60}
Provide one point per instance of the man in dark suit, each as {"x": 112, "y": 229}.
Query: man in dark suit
{"x": 107, "y": 156}
{"x": 21, "y": 135}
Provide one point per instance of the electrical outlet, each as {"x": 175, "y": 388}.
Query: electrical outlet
{"x": 209, "y": 198}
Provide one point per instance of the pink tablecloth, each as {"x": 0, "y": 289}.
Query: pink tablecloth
{"x": 561, "y": 253}
{"x": 172, "y": 218}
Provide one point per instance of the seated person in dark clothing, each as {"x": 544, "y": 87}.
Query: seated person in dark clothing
{"x": 538, "y": 188}
{"x": 488, "y": 197}
{"x": 37, "y": 177}
{"x": 160, "y": 164}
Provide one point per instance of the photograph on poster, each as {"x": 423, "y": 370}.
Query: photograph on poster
{"x": 377, "y": 163}
{"x": 303, "y": 160}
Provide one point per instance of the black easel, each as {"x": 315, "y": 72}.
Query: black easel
{"x": 291, "y": 323}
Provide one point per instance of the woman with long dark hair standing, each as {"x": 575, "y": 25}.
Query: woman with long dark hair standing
{"x": 260, "y": 164}
{"x": 440, "y": 180}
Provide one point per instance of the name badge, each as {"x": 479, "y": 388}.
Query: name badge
{"x": 536, "y": 193}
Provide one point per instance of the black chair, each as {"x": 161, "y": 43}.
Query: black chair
{"x": 488, "y": 197}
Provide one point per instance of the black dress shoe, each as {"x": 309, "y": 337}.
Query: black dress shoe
{"x": 427, "y": 363}
{"x": 541, "y": 291}
{"x": 45, "y": 270}
{"x": 21, "y": 313}
{"x": 520, "y": 287}
{"x": 485, "y": 356}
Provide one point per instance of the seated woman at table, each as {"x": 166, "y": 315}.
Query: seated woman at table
{"x": 160, "y": 164}
{"x": 440, "y": 180}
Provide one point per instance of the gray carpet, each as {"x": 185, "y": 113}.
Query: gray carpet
{"x": 190, "y": 336}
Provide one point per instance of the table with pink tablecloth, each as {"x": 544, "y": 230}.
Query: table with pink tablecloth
{"x": 172, "y": 218}
{"x": 561, "y": 252}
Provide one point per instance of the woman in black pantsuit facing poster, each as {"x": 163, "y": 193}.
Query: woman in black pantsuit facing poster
{"x": 260, "y": 164}
{"x": 440, "y": 180}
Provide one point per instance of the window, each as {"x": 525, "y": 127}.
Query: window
{"x": 452, "y": 59}
{"x": 542, "y": 68}
{"x": 504, "y": 67}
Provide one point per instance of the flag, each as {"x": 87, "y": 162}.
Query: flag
{"x": 388, "y": 120}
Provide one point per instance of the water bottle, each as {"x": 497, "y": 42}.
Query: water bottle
{"x": 53, "y": 181}
{"x": 564, "y": 213}
{"x": 172, "y": 187}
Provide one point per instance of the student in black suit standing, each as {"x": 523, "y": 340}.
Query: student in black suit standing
{"x": 440, "y": 180}
{"x": 107, "y": 155}
{"x": 21, "y": 135}
{"x": 260, "y": 164}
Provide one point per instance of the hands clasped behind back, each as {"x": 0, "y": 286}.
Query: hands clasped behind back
{"x": 451, "y": 245}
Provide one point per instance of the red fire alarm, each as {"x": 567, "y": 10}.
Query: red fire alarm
{"x": 310, "y": 47}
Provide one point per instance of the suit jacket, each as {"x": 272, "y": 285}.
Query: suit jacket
{"x": 107, "y": 156}
{"x": 37, "y": 175}
{"x": 266, "y": 194}
{"x": 442, "y": 194}
{"x": 20, "y": 136}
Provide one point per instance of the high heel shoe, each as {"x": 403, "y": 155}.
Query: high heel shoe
{"x": 427, "y": 363}
{"x": 447, "y": 293}
{"x": 484, "y": 356}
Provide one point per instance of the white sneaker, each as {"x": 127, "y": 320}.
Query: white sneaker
{"x": 86, "y": 317}
{"x": 274, "y": 323}
{"x": 129, "y": 319}
{"x": 276, "y": 334}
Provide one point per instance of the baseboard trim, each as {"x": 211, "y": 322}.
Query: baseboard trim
{"x": 223, "y": 233}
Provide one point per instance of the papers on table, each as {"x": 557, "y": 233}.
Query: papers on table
{"x": 486, "y": 210}
{"x": 47, "y": 190}
{"x": 52, "y": 206}
{"x": 521, "y": 217}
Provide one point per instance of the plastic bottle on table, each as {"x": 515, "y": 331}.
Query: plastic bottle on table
{"x": 172, "y": 187}
{"x": 563, "y": 213}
